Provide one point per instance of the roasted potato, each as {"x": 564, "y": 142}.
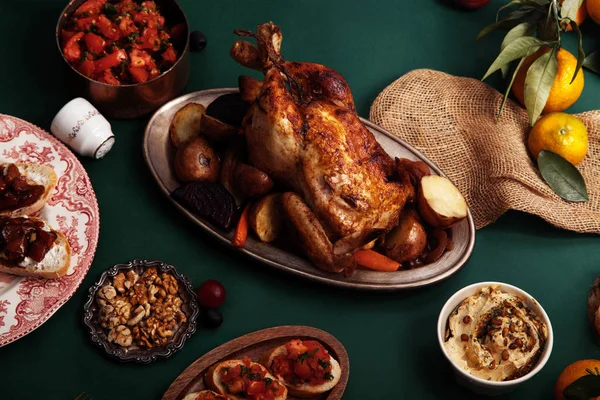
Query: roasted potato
{"x": 246, "y": 54}
{"x": 251, "y": 182}
{"x": 265, "y": 217}
{"x": 197, "y": 161}
{"x": 406, "y": 241}
{"x": 186, "y": 124}
{"x": 249, "y": 88}
{"x": 312, "y": 236}
{"x": 215, "y": 130}
{"x": 440, "y": 203}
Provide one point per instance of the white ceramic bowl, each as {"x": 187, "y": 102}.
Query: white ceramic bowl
{"x": 482, "y": 386}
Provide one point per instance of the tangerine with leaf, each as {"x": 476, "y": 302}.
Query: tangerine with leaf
{"x": 580, "y": 378}
{"x": 565, "y": 90}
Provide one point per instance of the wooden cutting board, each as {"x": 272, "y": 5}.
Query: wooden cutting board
{"x": 253, "y": 345}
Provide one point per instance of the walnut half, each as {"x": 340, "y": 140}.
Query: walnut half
{"x": 120, "y": 335}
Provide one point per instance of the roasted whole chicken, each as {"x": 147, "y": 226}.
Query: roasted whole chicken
{"x": 302, "y": 129}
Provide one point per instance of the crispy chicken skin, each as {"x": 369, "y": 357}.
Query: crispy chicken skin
{"x": 303, "y": 130}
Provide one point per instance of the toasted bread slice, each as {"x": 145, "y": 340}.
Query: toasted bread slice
{"x": 213, "y": 378}
{"x": 205, "y": 395}
{"x": 306, "y": 389}
{"x": 54, "y": 265}
{"x": 36, "y": 175}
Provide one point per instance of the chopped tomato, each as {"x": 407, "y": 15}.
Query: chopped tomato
{"x": 149, "y": 19}
{"x": 66, "y": 35}
{"x": 150, "y": 5}
{"x": 139, "y": 58}
{"x": 90, "y": 7}
{"x": 108, "y": 77}
{"x": 127, "y": 26}
{"x": 86, "y": 68}
{"x": 256, "y": 387}
{"x": 85, "y": 24}
{"x": 94, "y": 43}
{"x": 126, "y": 6}
{"x": 72, "y": 50}
{"x": 169, "y": 55}
{"x": 139, "y": 74}
{"x": 302, "y": 369}
{"x": 163, "y": 36}
{"x": 149, "y": 39}
{"x": 112, "y": 60}
{"x": 154, "y": 72}
{"x": 107, "y": 27}
{"x": 247, "y": 362}
{"x": 295, "y": 348}
{"x": 177, "y": 31}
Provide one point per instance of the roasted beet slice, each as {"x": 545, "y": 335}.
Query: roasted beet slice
{"x": 209, "y": 200}
{"x": 228, "y": 108}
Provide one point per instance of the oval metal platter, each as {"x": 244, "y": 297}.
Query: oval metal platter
{"x": 158, "y": 153}
{"x": 253, "y": 345}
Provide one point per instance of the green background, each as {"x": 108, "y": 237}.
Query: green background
{"x": 390, "y": 338}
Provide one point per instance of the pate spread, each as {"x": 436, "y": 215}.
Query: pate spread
{"x": 494, "y": 336}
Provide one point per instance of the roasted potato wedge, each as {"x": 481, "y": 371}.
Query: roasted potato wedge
{"x": 265, "y": 217}
{"x": 440, "y": 203}
{"x": 186, "y": 123}
{"x": 215, "y": 130}
{"x": 249, "y": 88}
{"x": 251, "y": 182}
{"x": 312, "y": 236}
{"x": 197, "y": 161}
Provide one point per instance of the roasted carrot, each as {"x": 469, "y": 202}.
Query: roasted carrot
{"x": 241, "y": 230}
{"x": 374, "y": 260}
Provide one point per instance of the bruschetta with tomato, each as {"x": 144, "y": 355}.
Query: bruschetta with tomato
{"x": 244, "y": 379}
{"x": 305, "y": 366}
{"x": 206, "y": 395}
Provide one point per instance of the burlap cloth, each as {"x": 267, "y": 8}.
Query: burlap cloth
{"x": 452, "y": 121}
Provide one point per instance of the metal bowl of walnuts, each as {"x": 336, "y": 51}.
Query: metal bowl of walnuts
{"x": 141, "y": 310}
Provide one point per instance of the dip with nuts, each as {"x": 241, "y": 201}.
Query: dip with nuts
{"x": 143, "y": 311}
{"x": 494, "y": 336}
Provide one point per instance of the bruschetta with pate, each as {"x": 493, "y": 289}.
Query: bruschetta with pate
{"x": 25, "y": 188}
{"x": 30, "y": 247}
{"x": 306, "y": 367}
{"x": 206, "y": 395}
{"x": 244, "y": 379}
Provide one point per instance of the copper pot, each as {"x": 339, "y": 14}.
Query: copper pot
{"x": 134, "y": 100}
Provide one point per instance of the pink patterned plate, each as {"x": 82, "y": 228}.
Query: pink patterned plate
{"x": 26, "y": 303}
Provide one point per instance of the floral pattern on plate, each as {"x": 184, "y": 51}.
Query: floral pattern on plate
{"x": 26, "y": 303}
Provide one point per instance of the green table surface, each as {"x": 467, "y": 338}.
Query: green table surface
{"x": 390, "y": 338}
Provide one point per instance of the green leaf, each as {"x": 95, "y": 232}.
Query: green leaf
{"x": 539, "y": 81}
{"x": 512, "y": 19}
{"x": 519, "y": 48}
{"x": 523, "y": 29}
{"x": 512, "y": 80}
{"x": 562, "y": 177}
{"x": 569, "y": 9}
{"x": 592, "y": 62}
{"x": 580, "y": 52}
{"x": 584, "y": 388}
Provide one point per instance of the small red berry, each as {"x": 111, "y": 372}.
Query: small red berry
{"x": 211, "y": 294}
